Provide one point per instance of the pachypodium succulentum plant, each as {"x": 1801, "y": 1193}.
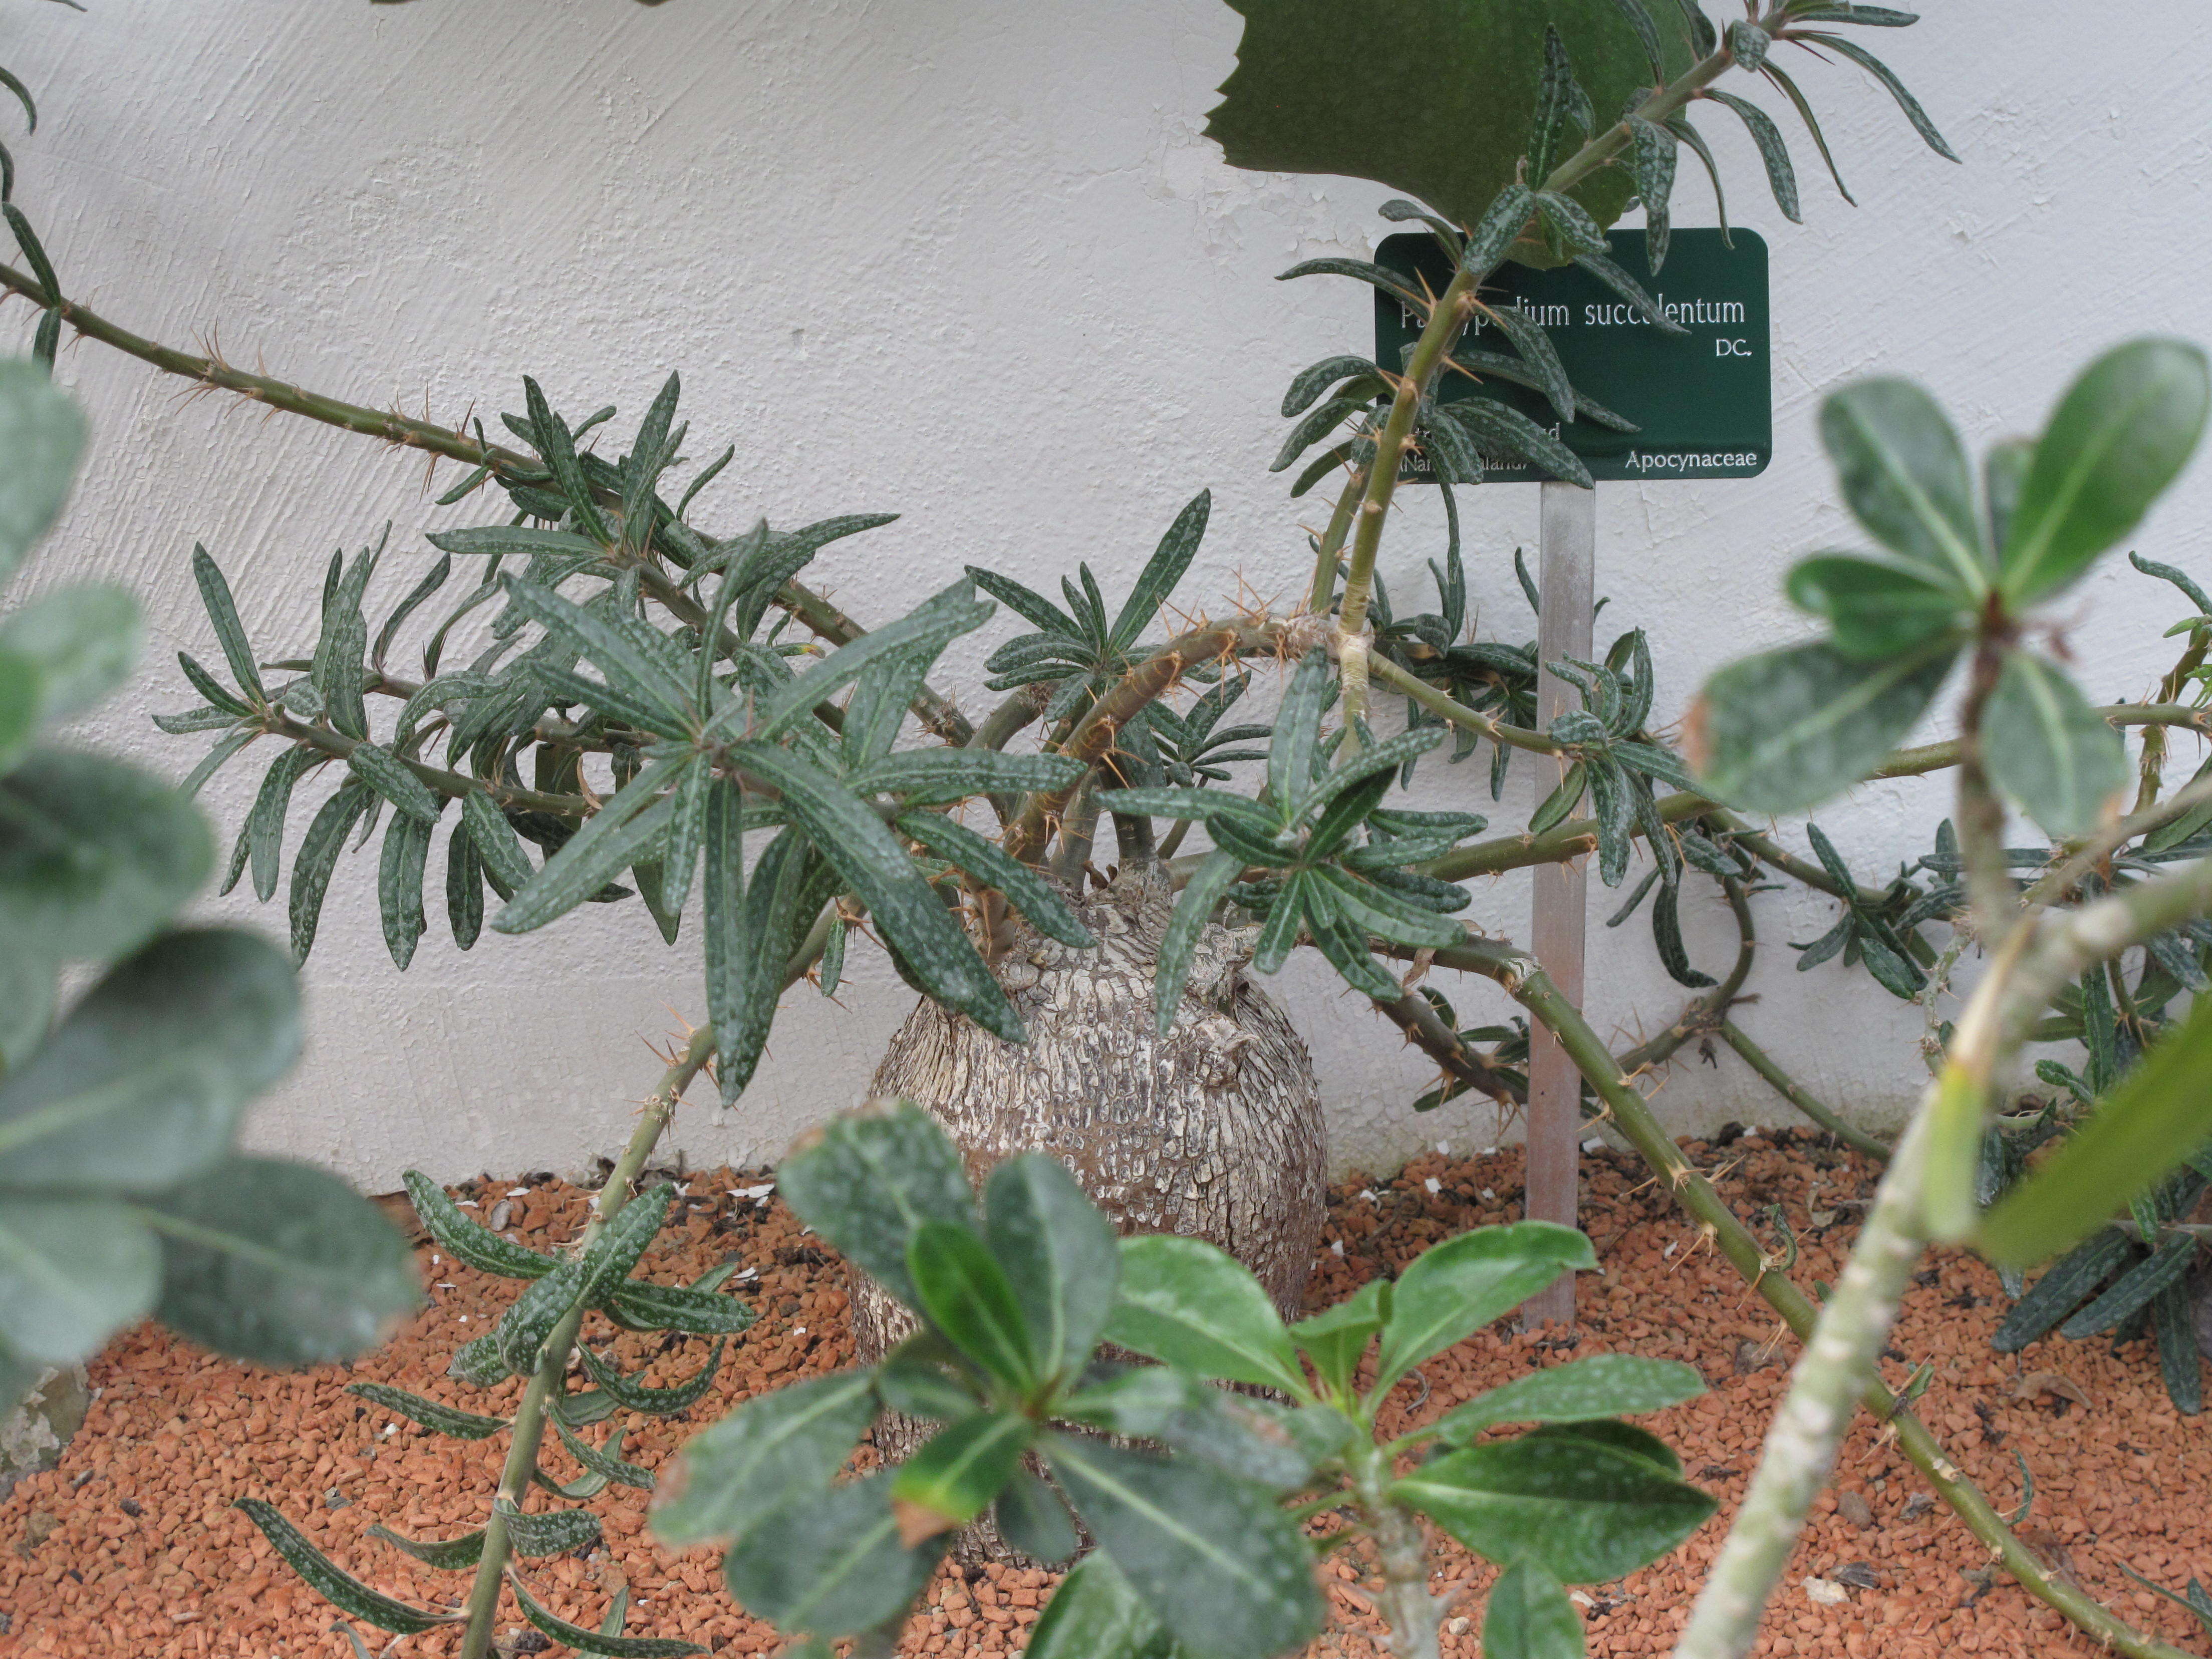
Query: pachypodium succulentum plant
{"x": 121, "y": 1194}
{"x": 1192, "y": 1495}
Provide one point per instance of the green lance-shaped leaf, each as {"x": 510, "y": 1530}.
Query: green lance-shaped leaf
{"x": 264, "y": 821}
{"x": 399, "y": 886}
{"x": 501, "y": 538}
{"x": 41, "y": 435}
{"x": 1361, "y": 270}
{"x": 280, "y": 1263}
{"x": 1454, "y": 1289}
{"x": 1549, "y": 133}
{"x": 1095, "y": 1613}
{"x": 1034, "y": 1519}
{"x": 654, "y": 1402}
{"x": 469, "y": 1240}
{"x": 1653, "y": 151}
{"x": 1305, "y": 389}
{"x": 1337, "y": 1338}
{"x": 73, "y": 1271}
{"x": 967, "y": 1295}
{"x": 1187, "y": 1303}
{"x": 1607, "y": 1385}
{"x": 529, "y": 1318}
{"x": 342, "y": 1591}
{"x": 1297, "y": 727}
{"x": 1020, "y": 885}
{"x": 1876, "y": 609}
{"x": 2181, "y": 1363}
{"x": 604, "y": 1461}
{"x": 686, "y": 1310}
{"x": 1509, "y": 431}
{"x": 1780, "y": 77}
{"x": 552, "y": 1534}
{"x": 143, "y": 1083}
{"x": 1904, "y": 474}
{"x": 479, "y": 1363}
{"x": 1224, "y": 1570}
{"x": 771, "y": 1448}
{"x": 2162, "y": 1270}
{"x": 446, "y": 1555}
{"x": 2124, "y": 430}
{"x": 1587, "y": 1511}
{"x": 432, "y": 1414}
{"x": 223, "y": 613}
{"x": 1529, "y": 1616}
{"x": 2159, "y": 1113}
{"x": 929, "y": 777}
{"x": 588, "y": 1641}
{"x": 616, "y": 834}
{"x": 1781, "y": 175}
{"x": 608, "y": 1261}
{"x": 638, "y": 669}
{"x": 498, "y": 847}
{"x": 958, "y": 1472}
{"x": 1060, "y": 1254}
{"x": 876, "y": 870}
{"x": 1500, "y": 227}
{"x": 95, "y": 856}
{"x": 1880, "y": 71}
{"x": 318, "y": 859}
{"x": 1162, "y": 571}
{"x": 868, "y": 1181}
{"x": 1208, "y": 885}
{"x": 83, "y": 642}
{"x": 832, "y": 1564}
{"x": 1629, "y": 289}
{"x": 1534, "y": 343}
{"x": 2048, "y": 749}
{"x": 928, "y": 629}
{"x": 1786, "y": 729}
{"x": 557, "y": 446}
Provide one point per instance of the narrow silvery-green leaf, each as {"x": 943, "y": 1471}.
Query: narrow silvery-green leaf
{"x": 2120, "y": 436}
{"x": 1781, "y": 175}
{"x": 1548, "y": 134}
{"x": 1653, "y": 151}
{"x": 654, "y": 1402}
{"x": 1021, "y": 886}
{"x": 611, "y": 1255}
{"x": 473, "y": 1242}
{"x": 1305, "y": 388}
{"x": 1629, "y": 289}
{"x": 1179, "y": 945}
{"x": 588, "y": 1641}
{"x": 595, "y": 855}
{"x": 399, "y": 886}
{"x": 1534, "y": 343}
{"x": 1162, "y": 571}
{"x": 264, "y": 822}
{"x": 604, "y": 1460}
{"x": 345, "y": 1593}
{"x": 2048, "y": 749}
{"x": 683, "y": 1309}
{"x": 318, "y": 857}
{"x": 1904, "y": 476}
{"x": 433, "y": 1414}
{"x": 558, "y": 447}
{"x": 929, "y": 627}
{"x": 553, "y": 1534}
{"x": 1775, "y": 73}
{"x": 222, "y": 613}
{"x": 1499, "y": 227}
{"x": 1881, "y": 72}
{"x": 498, "y": 847}
{"x": 448, "y": 1554}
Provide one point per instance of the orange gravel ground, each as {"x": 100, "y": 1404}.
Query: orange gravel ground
{"x": 130, "y": 1548}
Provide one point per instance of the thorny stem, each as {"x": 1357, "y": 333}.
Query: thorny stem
{"x": 1796, "y": 1093}
{"x": 936, "y": 712}
{"x": 1631, "y": 1115}
{"x": 553, "y": 1361}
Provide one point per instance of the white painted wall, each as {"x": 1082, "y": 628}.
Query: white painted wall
{"x": 974, "y": 263}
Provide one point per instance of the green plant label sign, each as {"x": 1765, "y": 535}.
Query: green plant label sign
{"x": 1702, "y": 403}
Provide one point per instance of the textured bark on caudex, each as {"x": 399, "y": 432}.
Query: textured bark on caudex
{"x": 1214, "y": 1130}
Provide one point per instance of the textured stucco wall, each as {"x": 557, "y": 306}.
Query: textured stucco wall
{"x": 973, "y": 263}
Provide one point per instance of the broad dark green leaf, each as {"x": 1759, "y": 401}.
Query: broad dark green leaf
{"x": 589, "y": 1641}
{"x": 1529, "y": 1616}
{"x": 1584, "y": 1511}
{"x": 143, "y": 1083}
{"x": 345, "y": 1593}
{"x": 1059, "y": 1252}
{"x": 866, "y": 1182}
{"x": 958, "y": 1472}
{"x": 94, "y": 855}
{"x": 2158, "y": 1115}
{"x": 1095, "y": 1613}
{"x": 1877, "y": 609}
{"x": 1337, "y": 1338}
{"x": 1034, "y": 1519}
{"x": 280, "y": 1263}
{"x": 83, "y": 640}
{"x": 774, "y": 1446}
{"x": 1906, "y": 477}
{"x": 432, "y": 1414}
{"x": 1190, "y": 1304}
{"x": 967, "y": 1295}
{"x": 1787, "y": 729}
{"x": 1620, "y": 1437}
{"x": 41, "y": 435}
{"x": 73, "y": 1272}
{"x": 1454, "y": 1289}
{"x": 1224, "y": 1570}
{"x": 831, "y": 1564}
{"x": 2124, "y": 430}
{"x": 1606, "y": 1385}
{"x": 2048, "y": 749}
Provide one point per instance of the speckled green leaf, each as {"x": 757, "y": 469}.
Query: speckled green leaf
{"x": 342, "y": 1591}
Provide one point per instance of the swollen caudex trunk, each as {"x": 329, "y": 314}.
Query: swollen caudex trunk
{"x": 1214, "y": 1130}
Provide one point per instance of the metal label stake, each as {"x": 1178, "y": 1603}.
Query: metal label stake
{"x": 1568, "y": 532}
